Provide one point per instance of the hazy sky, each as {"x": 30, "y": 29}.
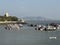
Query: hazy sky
{"x": 19, "y": 8}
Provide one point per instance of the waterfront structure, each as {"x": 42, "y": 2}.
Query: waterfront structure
{"x": 10, "y": 19}
{"x": 6, "y": 17}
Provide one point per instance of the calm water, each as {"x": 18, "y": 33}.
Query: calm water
{"x": 28, "y": 36}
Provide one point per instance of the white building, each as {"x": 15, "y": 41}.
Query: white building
{"x": 6, "y": 14}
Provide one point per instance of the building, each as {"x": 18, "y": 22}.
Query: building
{"x": 6, "y": 14}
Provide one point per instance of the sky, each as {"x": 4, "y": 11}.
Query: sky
{"x": 20, "y": 8}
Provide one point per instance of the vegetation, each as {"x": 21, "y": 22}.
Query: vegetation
{"x": 9, "y": 18}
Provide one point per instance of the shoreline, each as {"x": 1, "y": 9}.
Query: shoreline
{"x": 12, "y": 22}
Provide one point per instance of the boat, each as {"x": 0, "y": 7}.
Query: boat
{"x": 52, "y": 37}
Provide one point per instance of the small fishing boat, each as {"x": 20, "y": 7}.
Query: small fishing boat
{"x": 52, "y": 37}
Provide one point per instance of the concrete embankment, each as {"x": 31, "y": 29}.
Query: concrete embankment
{"x": 12, "y": 22}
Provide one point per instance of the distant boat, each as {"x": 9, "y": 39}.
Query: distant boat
{"x": 20, "y": 25}
{"x": 52, "y": 37}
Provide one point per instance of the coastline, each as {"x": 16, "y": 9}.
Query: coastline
{"x": 12, "y": 22}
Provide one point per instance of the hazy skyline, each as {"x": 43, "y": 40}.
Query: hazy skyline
{"x": 20, "y": 8}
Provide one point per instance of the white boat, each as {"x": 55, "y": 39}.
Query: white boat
{"x": 52, "y": 37}
{"x": 20, "y": 25}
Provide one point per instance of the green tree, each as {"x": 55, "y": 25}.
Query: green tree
{"x": 10, "y": 18}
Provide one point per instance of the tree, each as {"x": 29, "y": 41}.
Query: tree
{"x": 10, "y": 18}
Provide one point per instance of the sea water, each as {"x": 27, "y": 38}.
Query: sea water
{"x": 28, "y": 36}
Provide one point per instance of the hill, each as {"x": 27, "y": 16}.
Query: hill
{"x": 36, "y": 18}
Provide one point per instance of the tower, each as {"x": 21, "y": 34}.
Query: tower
{"x": 6, "y": 14}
